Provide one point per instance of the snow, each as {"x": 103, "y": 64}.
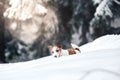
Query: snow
{"x": 103, "y": 9}
{"x": 98, "y": 60}
{"x": 16, "y": 11}
{"x": 96, "y": 1}
{"x": 105, "y": 42}
{"x": 117, "y": 1}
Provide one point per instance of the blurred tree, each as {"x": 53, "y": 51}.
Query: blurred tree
{"x": 2, "y": 44}
{"x": 76, "y": 15}
{"x": 88, "y": 19}
{"x": 106, "y": 13}
{"x": 31, "y": 25}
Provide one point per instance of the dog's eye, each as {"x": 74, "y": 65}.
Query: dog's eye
{"x": 52, "y": 52}
{"x": 57, "y": 50}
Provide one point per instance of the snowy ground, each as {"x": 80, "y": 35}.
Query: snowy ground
{"x": 99, "y": 60}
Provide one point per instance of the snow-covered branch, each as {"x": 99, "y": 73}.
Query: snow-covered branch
{"x": 104, "y": 9}
{"x": 21, "y": 10}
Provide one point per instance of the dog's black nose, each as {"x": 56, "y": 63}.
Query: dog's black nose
{"x": 55, "y": 56}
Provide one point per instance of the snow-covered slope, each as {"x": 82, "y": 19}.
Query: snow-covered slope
{"x": 105, "y": 42}
{"x": 99, "y": 60}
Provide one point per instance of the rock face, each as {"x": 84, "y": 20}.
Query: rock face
{"x": 29, "y": 26}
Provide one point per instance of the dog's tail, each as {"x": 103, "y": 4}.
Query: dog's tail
{"x": 75, "y": 47}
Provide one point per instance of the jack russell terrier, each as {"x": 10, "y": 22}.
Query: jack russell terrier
{"x": 57, "y": 51}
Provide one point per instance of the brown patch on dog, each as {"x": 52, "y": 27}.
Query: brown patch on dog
{"x": 71, "y": 51}
{"x": 59, "y": 46}
{"x": 59, "y": 49}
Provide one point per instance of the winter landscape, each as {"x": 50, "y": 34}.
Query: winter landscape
{"x": 29, "y": 27}
{"x": 98, "y": 60}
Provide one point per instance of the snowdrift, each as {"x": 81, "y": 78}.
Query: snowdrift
{"x": 99, "y": 60}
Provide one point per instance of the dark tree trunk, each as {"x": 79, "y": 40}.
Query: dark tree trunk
{"x": 2, "y": 46}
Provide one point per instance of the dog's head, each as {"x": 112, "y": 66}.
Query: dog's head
{"x": 55, "y": 50}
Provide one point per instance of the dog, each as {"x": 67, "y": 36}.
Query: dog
{"x": 57, "y": 51}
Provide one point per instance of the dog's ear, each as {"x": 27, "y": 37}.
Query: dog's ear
{"x": 59, "y": 46}
{"x": 50, "y": 47}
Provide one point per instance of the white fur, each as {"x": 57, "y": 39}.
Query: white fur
{"x": 63, "y": 52}
{"x": 56, "y": 54}
{"x": 54, "y": 50}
